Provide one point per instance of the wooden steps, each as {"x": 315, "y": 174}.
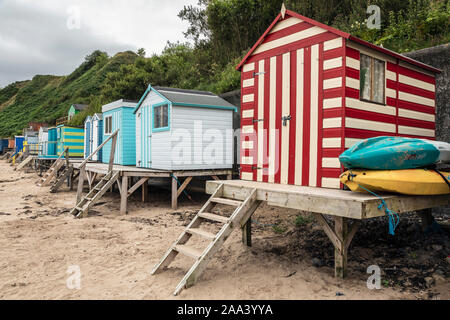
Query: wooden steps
{"x": 51, "y": 174}
{"x": 242, "y": 213}
{"x": 67, "y": 172}
{"x": 24, "y": 163}
{"x": 82, "y": 207}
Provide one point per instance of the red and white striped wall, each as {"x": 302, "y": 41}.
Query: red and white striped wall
{"x": 312, "y": 75}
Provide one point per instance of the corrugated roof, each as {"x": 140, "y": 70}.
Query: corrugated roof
{"x": 193, "y": 97}
{"x": 80, "y": 107}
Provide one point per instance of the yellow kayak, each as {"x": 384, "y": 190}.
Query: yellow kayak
{"x": 410, "y": 182}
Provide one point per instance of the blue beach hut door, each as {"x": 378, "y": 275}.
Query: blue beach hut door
{"x": 146, "y": 136}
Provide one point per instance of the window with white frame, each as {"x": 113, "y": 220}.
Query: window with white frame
{"x": 108, "y": 125}
{"x": 161, "y": 117}
{"x": 372, "y": 79}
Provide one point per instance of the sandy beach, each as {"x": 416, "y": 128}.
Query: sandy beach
{"x": 39, "y": 241}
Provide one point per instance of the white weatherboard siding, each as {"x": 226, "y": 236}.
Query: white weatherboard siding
{"x": 212, "y": 121}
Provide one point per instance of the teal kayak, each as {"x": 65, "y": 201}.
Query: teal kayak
{"x": 395, "y": 153}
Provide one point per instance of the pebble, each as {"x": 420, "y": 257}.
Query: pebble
{"x": 317, "y": 262}
{"x": 437, "y": 247}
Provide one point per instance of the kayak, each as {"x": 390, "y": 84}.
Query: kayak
{"x": 409, "y": 182}
{"x": 395, "y": 153}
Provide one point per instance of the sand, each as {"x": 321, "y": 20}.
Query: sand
{"x": 39, "y": 241}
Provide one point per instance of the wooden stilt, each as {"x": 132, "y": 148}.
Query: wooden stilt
{"x": 340, "y": 253}
{"x": 145, "y": 192}
{"x": 341, "y": 239}
{"x": 174, "y": 193}
{"x": 124, "y": 196}
{"x": 247, "y": 233}
{"x": 427, "y": 218}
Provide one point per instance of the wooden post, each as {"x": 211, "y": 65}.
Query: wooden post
{"x": 124, "y": 196}
{"x": 340, "y": 253}
{"x": 174, "y": 193}
{"x": 247, "y": 233}
{"x": 145, "y": 192}
{"x": 81, "y": 184}
{"x": 427, "y": 218}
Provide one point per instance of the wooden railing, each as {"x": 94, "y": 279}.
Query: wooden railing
{"x": 82, "y": 167}
{"x": 62, "y": 120}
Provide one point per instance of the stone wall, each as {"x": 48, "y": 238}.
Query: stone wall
{"x": 439, "y": 57}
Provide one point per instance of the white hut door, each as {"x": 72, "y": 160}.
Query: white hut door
{"x": 94, "y": 145}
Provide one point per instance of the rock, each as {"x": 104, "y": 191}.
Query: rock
{"x": 429, "y": 281}
{"x": 317, "y": 262}
{"x": 448, "y": 259}
{"x": 438, "y": 279}
{"x": 436, "y": 247}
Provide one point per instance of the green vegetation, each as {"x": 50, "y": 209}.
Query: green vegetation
{"x": 301, "y": 220}
{"x": 221, "y": 32}
{"x": 279, "y": 229}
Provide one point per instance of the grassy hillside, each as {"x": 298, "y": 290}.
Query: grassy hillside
{"x": 46, "y": 98}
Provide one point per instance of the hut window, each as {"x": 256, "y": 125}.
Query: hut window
{"x": 372, "y": 79}
{"x": 161, "y": 117}
{"x": 108, "y": 125}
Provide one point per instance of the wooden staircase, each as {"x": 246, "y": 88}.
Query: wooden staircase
{"x": 81, "y": 209}
{"x": 51, "y": 174}
{"x": 24, "y": 163}
{"x": 240, "y": 216}
{"x": 64, "y": 176}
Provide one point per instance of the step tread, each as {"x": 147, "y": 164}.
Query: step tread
{"x": 188, "y": 251}
{"x": 201, "y": 233}
{"x": 227, "y": 201}
{"x": 213, "y": 217}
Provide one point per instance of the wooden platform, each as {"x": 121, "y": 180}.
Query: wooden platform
{"x": 327, "y": 201}
{"x": 180, "y": 179}
{"x": 346, "y": 208}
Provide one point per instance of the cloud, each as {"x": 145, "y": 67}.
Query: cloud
{"x": 35, "y": 38}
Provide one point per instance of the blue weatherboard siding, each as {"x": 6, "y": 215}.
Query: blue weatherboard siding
{"x": 390, "y": 153}
{"x": 123, "y": 119}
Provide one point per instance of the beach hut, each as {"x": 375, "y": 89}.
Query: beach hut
{"x": 310, "y": 91}
{"x": 75, "y": 109}
{"x": 19, "y": 143}
{"x": 32, "y": 141}
{"x": 97, "y": 135}
{"x": 11, "y": 143}
{"x": 43, "y": 141}
{"x": 119, "y": 115}
{"x": 71, "y": 137}
{"x": 52, "y": 142}
{"x": 183, "y": 130}
{"x": 87, "y": 136}
{"x": 3, "y": 145}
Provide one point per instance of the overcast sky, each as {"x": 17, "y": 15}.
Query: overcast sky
{"x": 54, "y": 36}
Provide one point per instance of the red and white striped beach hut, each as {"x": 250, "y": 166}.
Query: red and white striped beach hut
{"x": 310, "y": 91}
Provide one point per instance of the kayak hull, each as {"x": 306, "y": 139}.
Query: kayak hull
{"x": 408, "y": 182}
{"x": 395, "y": 153}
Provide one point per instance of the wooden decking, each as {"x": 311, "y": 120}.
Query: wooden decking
{"x": 180, "y": 179}
{"x": 346, "y": 208}
{"x": 333, "y": 202}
